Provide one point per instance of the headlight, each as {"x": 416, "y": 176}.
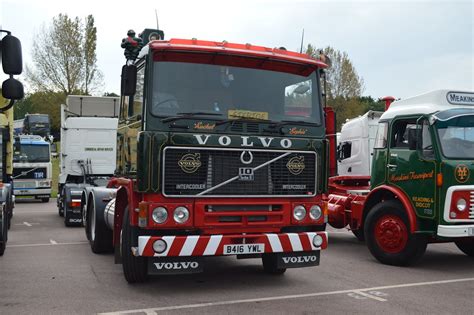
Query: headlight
{"x": 159, "y": 246}
{"x": 315, "y": 212}
{"x": 159, "y": 215}
{"x": 299, "y": 212}
{"x": 461, "y": 204}
{"x": 181, "y": 215}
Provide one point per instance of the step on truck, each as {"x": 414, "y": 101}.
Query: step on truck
{"x": 88, "y": 150}
{"x": 421, "y": 186}
{"x": 32, "y": 167}
{"x": 12, "y": 90}
{"x": 221, "y": 150}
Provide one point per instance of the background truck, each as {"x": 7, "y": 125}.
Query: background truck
{"x": 32, "y": 169}
{"x": 12, "y": 89}
{"x": 221, "y": 150}
{"x": 34, "y": 124}
{"x": 88, "y": 150}
{"x": 421, "y": 188}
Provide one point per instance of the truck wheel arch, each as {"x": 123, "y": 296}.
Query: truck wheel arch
{"x": 386, "y": 192}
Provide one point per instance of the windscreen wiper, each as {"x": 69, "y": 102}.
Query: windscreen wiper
{"x": 188, "y": 115}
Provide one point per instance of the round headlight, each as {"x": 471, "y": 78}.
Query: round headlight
{"x": 159, "y": 215}
{"x": 315, "y": 212}
{"x": 181, "y": 214}
{"x": 461, "y": 204}
{"x": 159, "y": 246}
{"x": 299, "y": 212}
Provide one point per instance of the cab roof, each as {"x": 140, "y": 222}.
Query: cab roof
{"x": 220, "y": 49}
{"x": 431, "y": 102}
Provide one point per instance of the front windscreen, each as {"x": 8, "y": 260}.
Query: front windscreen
{"x": 31, "y": 153}
{"x": 234, "y": 92}
{"x": 43, "y": 119}
{"x": 457, "y": 137}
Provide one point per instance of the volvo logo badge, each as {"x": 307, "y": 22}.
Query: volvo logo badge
{"x": 296, "y": 165}
{"x": 190, "y": 162}
{"x": 250, "y": 158}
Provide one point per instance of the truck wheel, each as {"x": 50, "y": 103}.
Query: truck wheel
{"x": 388, "y": 235}
{"x": 45, "y": 199}
{"x": 134, "y": 268}
{"x": 359, "y": 234}
{"x": 98, "y": 234}
{"x": 466, "y": 246}
{"x": 270, "y": 263}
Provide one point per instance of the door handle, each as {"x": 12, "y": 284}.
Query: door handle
{"x": 392, "y": 167}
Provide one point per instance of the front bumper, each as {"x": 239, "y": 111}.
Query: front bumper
{"x": 213, "y": 245}
{"x": 464, "y": 230}
{"x": 43, "y": 192}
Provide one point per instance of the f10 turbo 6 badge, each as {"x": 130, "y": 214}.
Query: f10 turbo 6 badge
{"x": 296, "y": 165}
{"x": 190, "y": 162}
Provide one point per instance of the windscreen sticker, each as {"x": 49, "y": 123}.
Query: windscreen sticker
{"x": 239, "y": 113}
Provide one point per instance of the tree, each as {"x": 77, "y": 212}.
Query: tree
{"x": 344, "y": 85}
{"x": 64, "y": 57}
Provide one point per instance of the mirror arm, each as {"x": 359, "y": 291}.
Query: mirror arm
{"x": 5, "y": 108}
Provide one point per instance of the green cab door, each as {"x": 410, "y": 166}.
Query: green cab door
{"x": 410, "y": 170}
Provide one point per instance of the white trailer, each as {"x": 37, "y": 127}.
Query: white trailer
{"x": 88, "y": 150}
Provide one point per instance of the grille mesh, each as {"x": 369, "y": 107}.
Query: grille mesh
{"x": 191, "y": 171}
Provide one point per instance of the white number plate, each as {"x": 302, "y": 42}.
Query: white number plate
{"x": 236, "y": 249}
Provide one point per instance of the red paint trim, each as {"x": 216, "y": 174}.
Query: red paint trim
{"x": 405, "y": 202}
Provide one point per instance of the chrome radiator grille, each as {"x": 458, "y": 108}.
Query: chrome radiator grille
{"x": 212, "y": 172}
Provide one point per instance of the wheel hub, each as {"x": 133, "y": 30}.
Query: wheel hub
{"x": 391, "y": 234}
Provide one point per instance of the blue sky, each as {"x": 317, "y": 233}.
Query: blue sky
{"x": 400, "y": 48}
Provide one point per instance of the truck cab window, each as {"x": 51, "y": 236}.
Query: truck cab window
{"x": 426, "y": 144}
{"x": 399, "y": 136}
{"x": 381, "y": 139}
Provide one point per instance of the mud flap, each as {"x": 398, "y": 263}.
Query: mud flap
{"x": 174, "y": 265}
{"x": 297, "y": 259}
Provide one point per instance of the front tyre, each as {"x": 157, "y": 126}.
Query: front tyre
{"x": 388, "y": 236}
{"x": 466, "y": 246}
{"x": 134, "y": 268}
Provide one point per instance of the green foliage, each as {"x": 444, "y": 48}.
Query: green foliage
{"x": 344, "y": 85}
{"x": 64, "y": 57}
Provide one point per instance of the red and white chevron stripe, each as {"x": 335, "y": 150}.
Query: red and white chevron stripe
{"x": 213, "y": 245}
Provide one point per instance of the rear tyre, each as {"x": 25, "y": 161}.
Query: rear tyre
{"x": 466, "y": 246}
{"x": 388, "y": 236}
{"x": 45, "y": 199}
{"x": 99, "y": 236}
{"x": 134, "y": 268}
{"x": 359, "y": 234}
{"x": 270, "y": 264}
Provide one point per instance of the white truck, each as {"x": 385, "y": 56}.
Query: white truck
{"x": 32, "y": 169}
{"x": 88, "y": 150}
{"x": 356, "y": 144}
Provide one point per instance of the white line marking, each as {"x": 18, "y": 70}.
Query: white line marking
{"x": 287, "y": 297}
{"x": 370, "y": 296}
{"x": 47, "y": 244}
{"x": 26, "y": 223}
{"x": 53, "y": 242}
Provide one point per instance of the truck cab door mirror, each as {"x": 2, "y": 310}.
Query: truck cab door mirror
{"x": 12, "y": 62}
{"x": 12, "y": 89}
{"x": 412, "y": 139}
{"x": 129, "y": 80}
